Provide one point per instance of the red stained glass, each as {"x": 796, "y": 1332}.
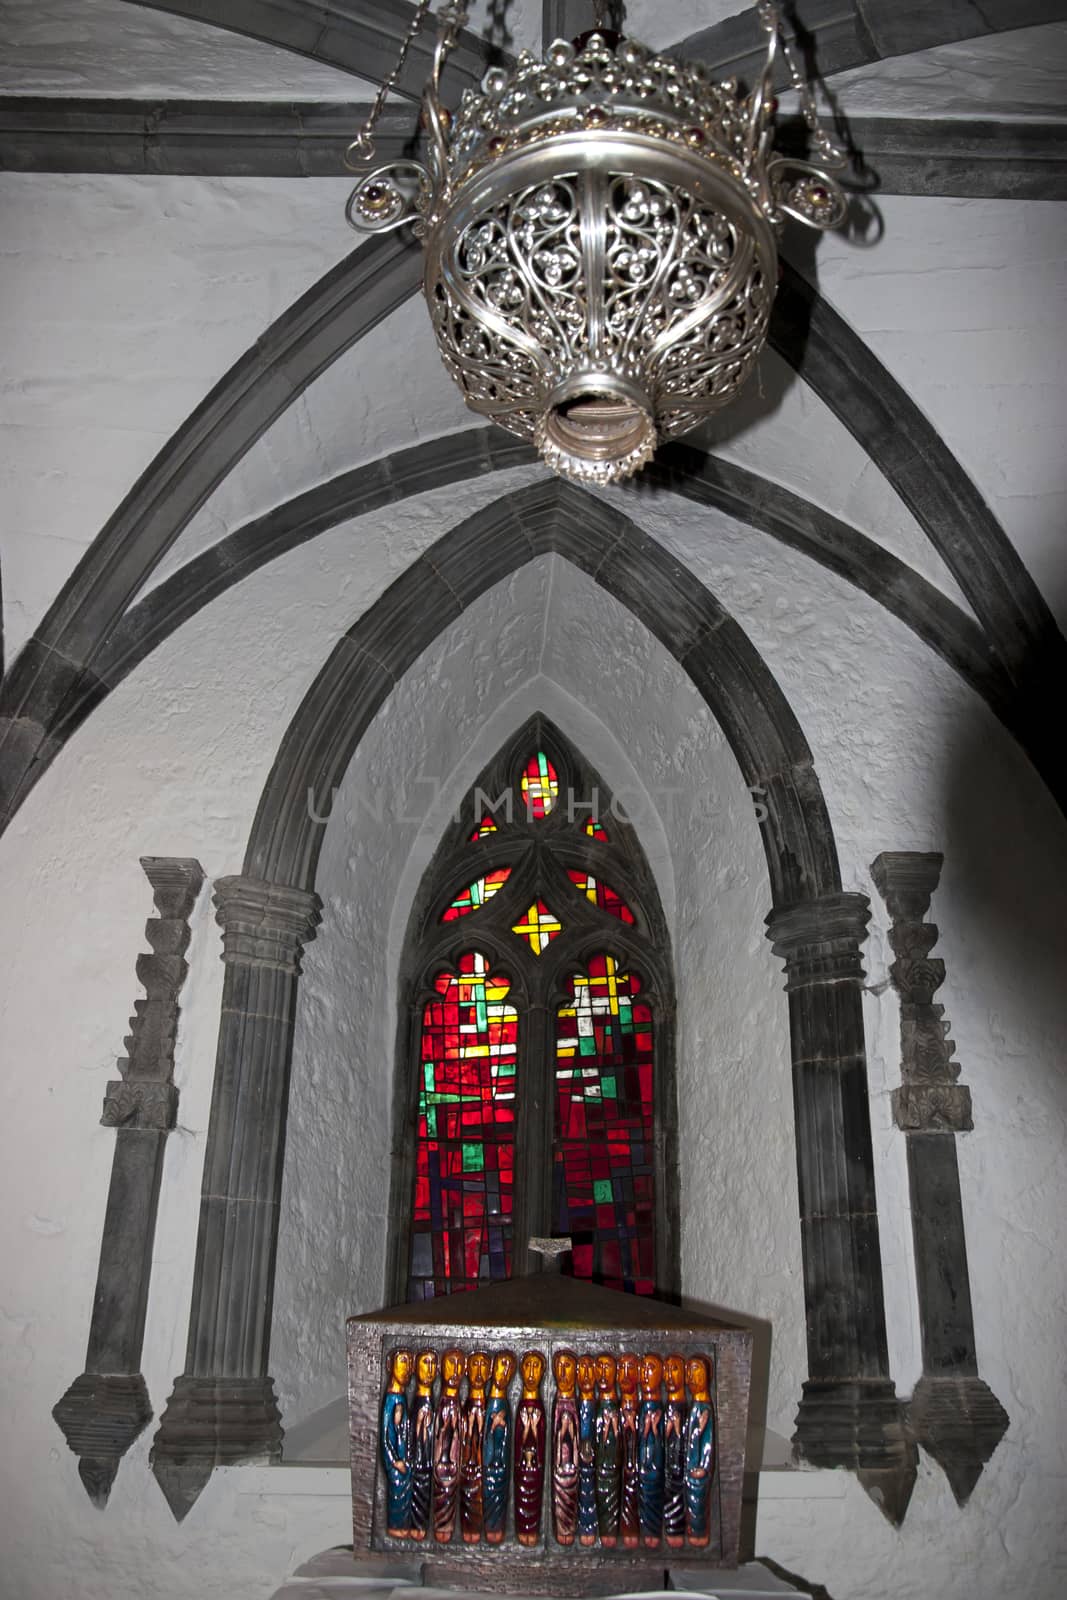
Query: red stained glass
{"x": 540, "y": 786}
{"x": 465, "y": 1155}
{"x": 484, "y": 829}
{"x": 595, "y": 830}
{"x": 603, "y": 895}
{"x": 477, "y": 895}
{"x": 603, "y": 1173}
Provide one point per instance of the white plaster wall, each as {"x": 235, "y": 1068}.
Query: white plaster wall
{"x": 1020, "y": 74}
{"x": 109, "y": 47}
{"x": 122, "y": 301}
{"x": 962, "y": 301}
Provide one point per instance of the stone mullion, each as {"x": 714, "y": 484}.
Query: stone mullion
{"x": 107, "y": 1406}
{"x": 849, "y": 1414}
{"x": 953, "y": 1414}
{"x": 223, "y": 1408}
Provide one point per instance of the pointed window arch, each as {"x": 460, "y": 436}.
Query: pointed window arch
{"x": 535, "y": 1085}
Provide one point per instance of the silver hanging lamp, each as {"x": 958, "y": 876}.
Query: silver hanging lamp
{"x": 600, "y": 233}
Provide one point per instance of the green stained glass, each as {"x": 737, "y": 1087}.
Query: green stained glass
{"x": 603, "y": 1193}
{"x": 473, "y": 1158}
{"x": 608, "y": 1087}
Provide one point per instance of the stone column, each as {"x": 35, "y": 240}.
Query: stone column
{"x": 953, "y": 1414}
{"x": 223, "y": 1408}
{"x": 107, "y": 1406}
{"x": 849, "y": 1415}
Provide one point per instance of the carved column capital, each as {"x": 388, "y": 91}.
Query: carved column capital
{"x": 265, "y": 924}
{"x": 176, "y": 881}
{"x": 819, "y": 940}
{"x": 933, "y": 1108}
{"x": 140, "y": 1103}
{"x": 906, "y": 880}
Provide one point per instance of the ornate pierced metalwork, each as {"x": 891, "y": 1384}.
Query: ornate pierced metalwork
{"x": 601, "y": 259}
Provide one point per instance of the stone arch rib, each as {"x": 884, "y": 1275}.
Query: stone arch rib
{"x": 56, "y": 681}
{"x": 223, "y": 1408}
{"x": 555, "y": 518}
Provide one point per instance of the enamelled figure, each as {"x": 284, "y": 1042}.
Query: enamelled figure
{"x": 447, "y": 1441}
{"x": 396, "y": 1445}
{"x": 651, "y": 1452}
{"x": 422, "y": 1443}
{"x": 565, "y": 1448}
{"x": 497, "y": 1456}
{"x": 674, "y": 1452}
{"x": 587, "y": 1520}
{"x": 470, "y": 1492}
{"x": 607, "y": 1452}
{"x": 630, "y": 1497}
{"x": 699, "y": 1452}
{"x": 530, "y": 1450}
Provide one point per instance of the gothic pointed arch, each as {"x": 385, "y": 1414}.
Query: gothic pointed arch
{"x": 534, "y": 1089}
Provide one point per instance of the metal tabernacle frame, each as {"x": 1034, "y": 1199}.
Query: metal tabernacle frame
{"x": 545, "y": 1312}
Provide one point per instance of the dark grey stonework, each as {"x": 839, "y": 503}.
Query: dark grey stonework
{"x": 223, "y": 1407}
{"x": 849, "y": 1415}
{"x": 563, "y": 19}
{"x": 271, "y": 138}
{"x": 949, "y": 156}
{"x": 106, "y": 1408}
{"x": 953, "y": 1414}
{"x": 210, "y": 138}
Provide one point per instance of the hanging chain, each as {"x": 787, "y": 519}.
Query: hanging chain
{"x": 600, "y": 18}
{"x": 830, "y": 152}
{"x": 361, "y": 151}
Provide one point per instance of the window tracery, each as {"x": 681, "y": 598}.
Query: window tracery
{"x": 539, "y": 1021}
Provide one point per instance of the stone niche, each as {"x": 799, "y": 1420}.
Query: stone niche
{"x": 545, "y": 1314}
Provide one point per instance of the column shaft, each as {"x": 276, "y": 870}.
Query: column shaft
{"x": 849, "y": 1414}
{"x": 223, "y": 1408}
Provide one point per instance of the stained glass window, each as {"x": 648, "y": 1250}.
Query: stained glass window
{"x": 539, "y": 927}
{"x": 582, "y": 1159}
{"x": 603, "y": 1158}
{"x": 540, "y": 786}
{"x": 603, "y": 895}
{"x": 477, "y": 895}
{"x": 465, "y": 1156}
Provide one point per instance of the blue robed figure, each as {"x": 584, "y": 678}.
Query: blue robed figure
{"x": 699, "y": 1453}
{"x": 651, "y": 1452}
{"x": 587, "y": 1518}
{"x": 496, "y": 1472}
{"x": 396, "y": 1447}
